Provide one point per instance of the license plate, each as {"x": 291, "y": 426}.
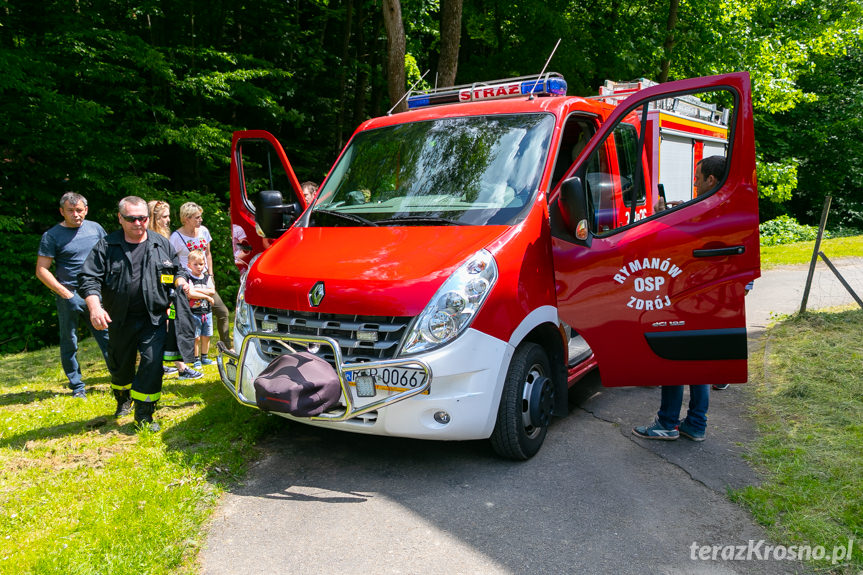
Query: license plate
{"x": 385, "y": 379}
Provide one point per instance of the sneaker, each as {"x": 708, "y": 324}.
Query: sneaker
{"x": 720, "y": 386}
{"x": 190, "y": 373}
{"x": 197, "y": 364}
{"x": 655, "y": 431}
{"x": 168, "y": 370}
{"x": 79, "y": 394}
{"x": 690, "y": 433}
{"x": 207, "y": 361}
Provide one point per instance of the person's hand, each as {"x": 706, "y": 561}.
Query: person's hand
{"x": 99, "y": 318}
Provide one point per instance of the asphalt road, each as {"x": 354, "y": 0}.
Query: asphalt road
{"x": 594, "y": 500}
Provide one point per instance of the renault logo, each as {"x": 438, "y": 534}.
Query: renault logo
{"x": 316, "y": 294}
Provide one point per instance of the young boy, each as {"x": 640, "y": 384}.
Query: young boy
{"x": 201, "y": 300}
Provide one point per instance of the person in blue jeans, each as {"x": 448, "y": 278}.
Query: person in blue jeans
{"x": 709, "y": 173}
{"x": 67, "y": 245}
{"x": 668, "y": 425}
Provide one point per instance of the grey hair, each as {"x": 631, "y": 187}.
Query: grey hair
{"x": 73, "y": 199}
{"x": 133, "y": 200}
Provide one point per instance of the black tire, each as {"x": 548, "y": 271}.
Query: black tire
{"x": 526, "y": 404}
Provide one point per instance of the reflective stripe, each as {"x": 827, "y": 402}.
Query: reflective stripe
{"x": 149, "y": 397}
{"x": 121, "y": 387}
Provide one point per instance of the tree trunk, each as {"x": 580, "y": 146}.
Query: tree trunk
{"x": 395, "y": 53}
{"x": 668, "y": 46}
{"x": 450, "y": 37}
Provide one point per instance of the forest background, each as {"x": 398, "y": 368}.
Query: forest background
{"x": 111, "y": 97}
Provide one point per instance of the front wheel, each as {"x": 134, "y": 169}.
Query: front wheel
{"x": 526, "y": 404}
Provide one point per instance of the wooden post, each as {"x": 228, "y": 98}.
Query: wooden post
{"x": 815, "y": 251}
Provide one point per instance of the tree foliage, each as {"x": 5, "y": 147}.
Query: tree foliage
{"x": 112, "y": 98}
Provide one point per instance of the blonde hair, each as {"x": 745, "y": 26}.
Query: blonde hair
{"x": 190, "y": 210}
{"x": 157, "y": 208}
{"x": 197, "y": 255}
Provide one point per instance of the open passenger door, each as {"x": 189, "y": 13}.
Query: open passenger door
{"x": 260, "y": 175}
{"x": 660, "y": 300}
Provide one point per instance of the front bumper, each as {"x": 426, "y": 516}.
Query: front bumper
{"x": 463, "y": 380}
{"x": 240, "y": 382}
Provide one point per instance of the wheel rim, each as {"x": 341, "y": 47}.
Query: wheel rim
{"x": 533, "y": 400}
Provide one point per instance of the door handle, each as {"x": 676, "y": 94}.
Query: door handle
{"x": 715, "y": 252}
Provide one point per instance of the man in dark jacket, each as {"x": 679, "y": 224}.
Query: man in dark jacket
{"x": 126, "y": 282}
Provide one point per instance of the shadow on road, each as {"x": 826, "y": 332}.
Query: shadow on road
{"x": 594, "y": 500}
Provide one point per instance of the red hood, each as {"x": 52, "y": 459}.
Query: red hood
{"x": 386, "y": 271}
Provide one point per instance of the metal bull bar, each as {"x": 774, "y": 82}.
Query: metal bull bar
{"x": 237, "y": 360}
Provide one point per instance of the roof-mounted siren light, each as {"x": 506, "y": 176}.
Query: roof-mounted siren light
{"x": 551, "y": 84}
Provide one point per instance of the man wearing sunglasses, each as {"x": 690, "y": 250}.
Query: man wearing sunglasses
{"x": 126, "y": 282}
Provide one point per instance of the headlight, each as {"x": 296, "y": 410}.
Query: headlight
{"x": 454, "y": 305}
{"x": 243, "y": 311}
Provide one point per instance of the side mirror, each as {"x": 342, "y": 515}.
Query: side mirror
{"x": 573, "y": 205}
{"x": 272, "y": 215}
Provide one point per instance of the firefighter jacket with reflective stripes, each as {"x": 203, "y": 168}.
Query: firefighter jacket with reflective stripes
{"x": 107, "y": 272}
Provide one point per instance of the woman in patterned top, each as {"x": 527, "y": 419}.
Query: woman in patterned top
{"x": 194, "y": 236}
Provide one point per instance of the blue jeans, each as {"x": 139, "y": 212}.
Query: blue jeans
{"x": 68, "y": 312}
{"x": 672, "y": 401}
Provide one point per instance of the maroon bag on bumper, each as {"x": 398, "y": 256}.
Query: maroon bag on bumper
{"x": 301, "y": 384}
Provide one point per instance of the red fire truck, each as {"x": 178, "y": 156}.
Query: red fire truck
{"x": 467, "y": 261}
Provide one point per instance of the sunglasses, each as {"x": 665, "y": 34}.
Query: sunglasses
{"x": 132, "y": 219}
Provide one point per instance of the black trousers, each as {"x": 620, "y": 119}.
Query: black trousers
{"x": 125, "y": 341}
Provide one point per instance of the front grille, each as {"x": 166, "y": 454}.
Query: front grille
{"x": 341, "y": 327}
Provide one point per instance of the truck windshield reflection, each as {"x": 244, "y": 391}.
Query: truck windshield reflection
{"x": 480, "y": 170}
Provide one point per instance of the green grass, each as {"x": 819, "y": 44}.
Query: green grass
{"x": 807, "y": 400}
{"x": 801, "y": 252}
{"x": 81, "y": 492}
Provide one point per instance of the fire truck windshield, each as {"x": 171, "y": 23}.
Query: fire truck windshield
{"x": 473, "y": 170}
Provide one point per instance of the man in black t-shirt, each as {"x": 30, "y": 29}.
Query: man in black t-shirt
{"x": 126, "y": 282}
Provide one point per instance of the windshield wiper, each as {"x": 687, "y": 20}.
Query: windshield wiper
{"x": 417, "y": 220}
{"x": 345, "y": 216}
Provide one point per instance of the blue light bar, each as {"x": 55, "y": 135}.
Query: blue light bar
{"x": 553, "y": 86}
{"x": 548, "y": 85}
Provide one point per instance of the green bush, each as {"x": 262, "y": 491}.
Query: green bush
{"x": 786, "y": 230}
{"x": 29, "y": 319}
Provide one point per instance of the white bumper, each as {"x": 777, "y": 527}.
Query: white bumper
{"x": 466, "y": 379}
